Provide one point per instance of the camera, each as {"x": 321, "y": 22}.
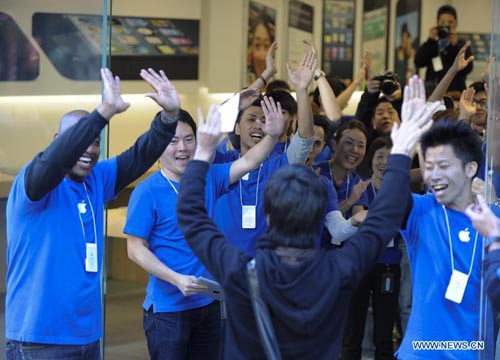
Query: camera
{"x": 444, "y": 31}
{"x": 388, "y": 82}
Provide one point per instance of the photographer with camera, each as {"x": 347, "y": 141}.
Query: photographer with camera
{"x": 440, "y": 50}
{"x": 379, "y": 113}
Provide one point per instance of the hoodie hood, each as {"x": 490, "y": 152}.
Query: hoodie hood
{"x": 298, "y": 288}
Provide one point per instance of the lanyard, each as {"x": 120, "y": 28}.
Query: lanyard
{"x": 347, "y": 186}
{"x": 451, "y": 246}
{"x": 256, "y": 191}
{"x": 170, "y": 182}
{"x": 91, "y": 211}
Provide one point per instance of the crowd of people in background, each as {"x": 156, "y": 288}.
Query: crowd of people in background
{"x": 322, "y": 232}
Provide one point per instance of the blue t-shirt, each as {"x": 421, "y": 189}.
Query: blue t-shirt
{"x": 229, "y": 207}
{"x": 152, "y": 216}
{"x": 344, "y": 190}
{"x": 51, "y": 298}
{"x": 433, "y": 317}
{"x": 392, "y": 254}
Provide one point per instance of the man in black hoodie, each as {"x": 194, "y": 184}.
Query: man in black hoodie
{"x": 306, "y": 289}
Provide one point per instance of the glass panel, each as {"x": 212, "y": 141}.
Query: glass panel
{"x": 33, "y": 98}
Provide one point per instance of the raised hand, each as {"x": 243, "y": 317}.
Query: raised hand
{"x": 166, "y": 94}
{"x": 208, "y": 134}
{"x": 303, "y": 75}
{"x": 188, "y": 286}
{"x": 274, "y": 123}
{"x": 483, "y": 219}
{"x": 460, "y": 61}
{"x": 271, "y": 68}
{"x": 358, "y": 189}
{"x": 112, "y": 102}
{"x": 416, "y": 117}
{"x": 467, "y": 105}
{"x": 247, "y": 97}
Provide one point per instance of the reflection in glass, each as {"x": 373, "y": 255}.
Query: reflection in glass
{"x": 19, "y": 60}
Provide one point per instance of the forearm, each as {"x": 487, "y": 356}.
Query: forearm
{"x": 345, "y": 96}
{"x": 49, "y": 167}
{"x": 328, "y": 99}
{"x": 443, "y": 85}
{"x": 142, "y": 256}
{"x": 305, "y": 123}
{"x": 299, "y": 149}
{"x": 137, "y": 159}
{"x": 366, "y": 106}
{"x": 339, "y": 228}
{"x": 252, "y": 159}
{"x": 259, "y": 83}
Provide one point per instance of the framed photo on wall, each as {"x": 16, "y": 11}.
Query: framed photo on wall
{"x": 407, "y": 38}
{"x": 375, "y": 33}
{"x": 338, "y": 37}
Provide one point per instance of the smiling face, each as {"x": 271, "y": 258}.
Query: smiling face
{"x": 179, "y": 152}
{"x": 249, "y": 128}
{"x": 384, "y": 118}
{"x": 350, "y": 149}
{"x": 448, "y": 177}
{"x": 380, "y": 161}
{"x": 86, "y": 162}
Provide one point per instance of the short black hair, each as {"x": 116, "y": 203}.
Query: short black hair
{"x": 185, "y": 117}
{"x": 278, "y": 84}
{"x": 295, "y": 201}
{"x": 380, "y": 142}
{"x": 463, "y": 139}
{"x": 447, "y": 9}
{"x": 478, "y": 86}
{"x": 286, "y": 100}
{"x": 349, "y": 125}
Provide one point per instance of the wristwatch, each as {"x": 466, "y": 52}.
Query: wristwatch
{"x": 490, "y": 240}
{"x": 319, "y": 75}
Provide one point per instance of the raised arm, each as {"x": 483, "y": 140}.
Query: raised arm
{"x": 136, "y": 160}
{"x": 458, "y": 65}
{"x": 49, "y": 167}
{"x": 138, "y": 251}
{"x": 301, "y": 77}
{"x": 328, "y": 98}
{"x": 200, "y": 232}
{"x": 363, "y": 73}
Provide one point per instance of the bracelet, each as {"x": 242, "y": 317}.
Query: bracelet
{"x": 169, "y": 120}
{"x": 263, "y": 80}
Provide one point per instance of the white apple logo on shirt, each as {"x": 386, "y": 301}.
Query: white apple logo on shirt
{"x": 464, "y": 235}
{"x": 82, "y": 207}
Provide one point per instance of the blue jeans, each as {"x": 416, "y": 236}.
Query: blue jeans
{"x": 188, "y": 334}
{"x": 17, "y": 350}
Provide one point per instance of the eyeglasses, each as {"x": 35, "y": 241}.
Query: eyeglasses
{"x": 483, "y": 102}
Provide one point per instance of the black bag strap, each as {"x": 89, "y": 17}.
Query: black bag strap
{"x": 264, "y": 323}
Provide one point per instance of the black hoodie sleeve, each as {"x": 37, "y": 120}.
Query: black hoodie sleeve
{"x": 207, "y": 242}
{"x": 384, "y": 220}
{"x": 49, "y": 167}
